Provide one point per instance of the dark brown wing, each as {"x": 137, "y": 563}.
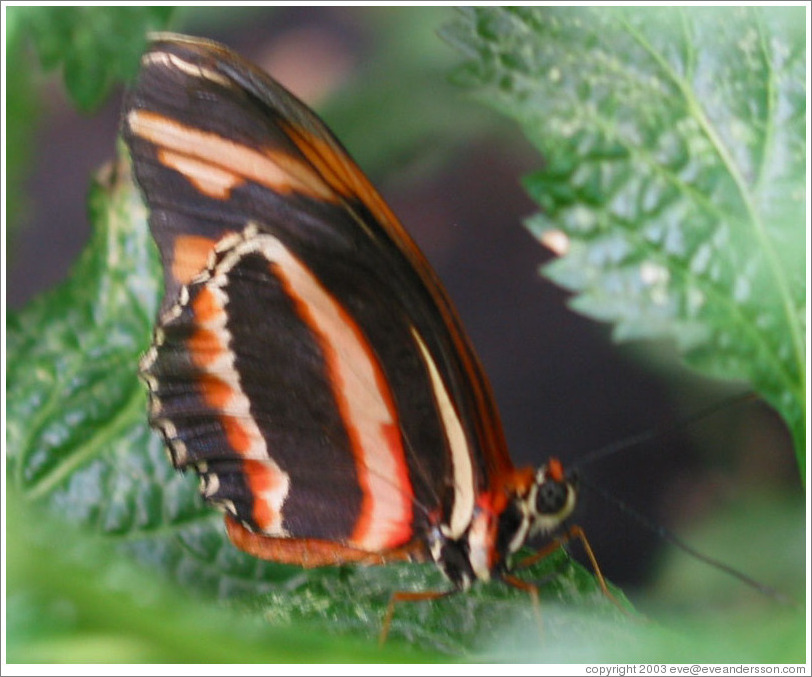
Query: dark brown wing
{"x": 308, "y": 363}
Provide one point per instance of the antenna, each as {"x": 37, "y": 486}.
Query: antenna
{"x": 655, "y": 433}
{"x": 658, "y": 529}
{"x": 672, "y": 538}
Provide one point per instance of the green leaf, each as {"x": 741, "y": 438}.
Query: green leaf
{"x": 97, "y": 46}
{"x": 74, "y": 598}
{"x": 72, "y": 378}
{"x": 79, "y": 446}
{"x": 79, "y": 450}
{"x": 21, "y": 119}
{"x": 674, "y": 148}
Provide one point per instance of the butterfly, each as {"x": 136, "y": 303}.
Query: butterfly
{"x": 307, "y": 363}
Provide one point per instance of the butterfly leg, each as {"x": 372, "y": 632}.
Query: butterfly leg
{"x": 404, "y": 596}
{"x": 573, "y": 533}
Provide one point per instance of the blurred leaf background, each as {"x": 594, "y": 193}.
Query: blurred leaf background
{"x": 98, "y": 589}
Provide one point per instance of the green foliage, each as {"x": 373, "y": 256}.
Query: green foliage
{"x": 21, "y": 115}
{"x": 79, "y": 445}
{"x": 97, "y": 47}
{"x": 674, "y": 153}
{"x": 76, "y": 598}
{"x": 79, "y": 452}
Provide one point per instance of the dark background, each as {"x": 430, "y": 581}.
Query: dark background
{"x": 562, "y": 386}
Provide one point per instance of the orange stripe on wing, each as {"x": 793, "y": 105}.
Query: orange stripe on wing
{"x": 344, "y": 176}
{"x": 215, "y": 164}
{"x": 238, "y": 435}
{"x": 217, "y": 393}
{"x": 341, "y": 172}
{"x": 206, "y": 344}
{"x": 208, "y": 179}
{"x": 219, "y": 385}
{"x": 364, "y": 401}
{"x": 189, "y": 256}
{"x": 205, "y": 347}
{"x": 208, "y": 309}
{"x": 309, "y": 552}
{"x": 264, "y": 483}
{"x": 383, "y": 479}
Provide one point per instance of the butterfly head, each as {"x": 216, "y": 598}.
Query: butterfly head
{"x": 537, "y": 506}
{"x": 552, "y": 498}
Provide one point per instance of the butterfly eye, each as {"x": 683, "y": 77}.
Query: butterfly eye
{"x": 551, "y": 497}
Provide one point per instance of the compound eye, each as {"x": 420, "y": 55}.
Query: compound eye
{"x": 551, "y": 497}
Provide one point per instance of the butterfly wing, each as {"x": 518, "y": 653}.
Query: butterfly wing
{"x": 307, "y": 362}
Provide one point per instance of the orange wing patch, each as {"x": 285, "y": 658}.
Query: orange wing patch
{"x": 343, "y": 174}
{"x": 208, "y": 179}
{"x": 189, "y": 256}
{"x": 364, "y": 399}
{"x": 219, "y": 385}
{"x": 216, "y": 165}
{"x": 310, "y": 553}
